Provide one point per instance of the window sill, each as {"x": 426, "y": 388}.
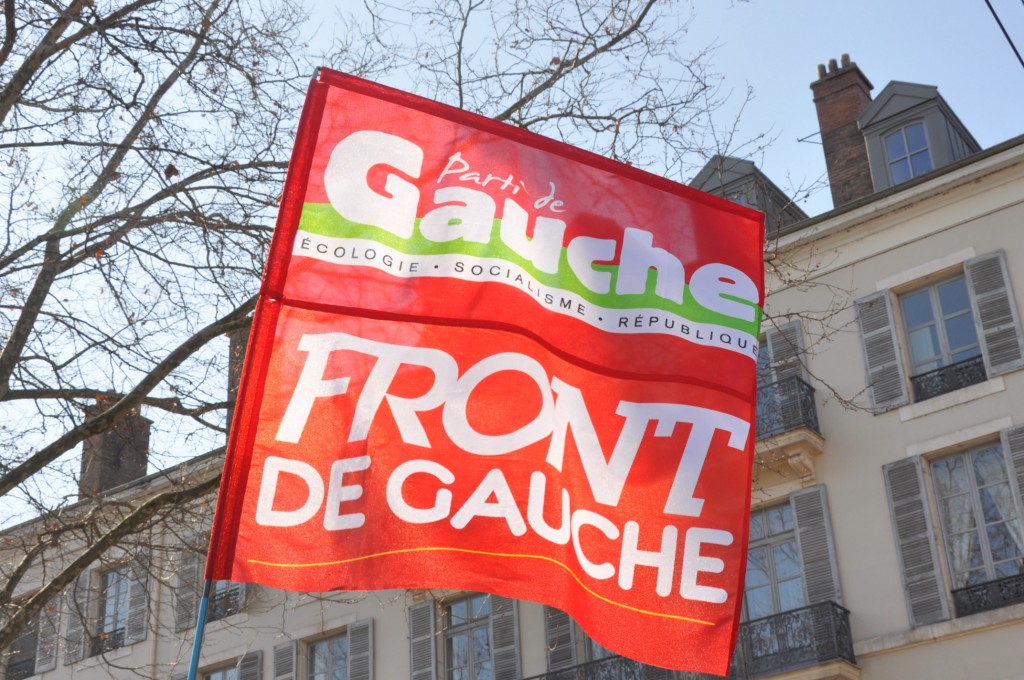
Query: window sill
{"x": 951, "y": 399}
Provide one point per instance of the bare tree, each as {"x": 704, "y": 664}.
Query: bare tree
{"x": 143, "y": 148}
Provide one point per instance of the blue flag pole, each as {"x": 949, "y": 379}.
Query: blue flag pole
{"x": 197, "y": 644}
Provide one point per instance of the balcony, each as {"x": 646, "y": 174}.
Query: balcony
{"x": 787, "y": 426}
{"x": 224, "y": 603}
{"x": 949, "y": 378}
{"x": 987, "y": 596}
{"x": 818, "y": 635}
{"x": 794, "y": 639}
{"x": 106, "y": 641}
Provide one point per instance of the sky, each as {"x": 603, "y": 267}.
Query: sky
{"x": 776, "y": 45}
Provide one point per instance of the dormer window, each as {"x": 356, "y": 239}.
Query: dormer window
{"x": 907, "y": 153}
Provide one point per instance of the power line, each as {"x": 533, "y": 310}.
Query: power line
{"x": 1005, "y": 33}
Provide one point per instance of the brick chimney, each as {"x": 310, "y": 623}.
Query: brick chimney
{"x": 840, "y": 95}
{"x": 114, "y": 457}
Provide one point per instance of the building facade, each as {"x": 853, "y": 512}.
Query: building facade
{"x": 887, "y": 524}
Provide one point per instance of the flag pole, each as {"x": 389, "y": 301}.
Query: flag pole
{"x": 197, "y": 644}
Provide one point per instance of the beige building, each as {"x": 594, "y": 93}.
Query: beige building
{"x": 887, "y": 531}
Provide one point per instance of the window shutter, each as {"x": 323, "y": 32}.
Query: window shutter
{"x": 47, "y": 636}
{"x": 360, "y": 650}
{"x": 817, "y": 548}
{"x": 284, "y": 661}
{"x": 504, "y": 638}
{"x": 78, "y": 614}
{"x": 887, "y": 384}
{"x": 995, "y": 313}
{"x": 138, "y": 600}
{"x": 559, "y": 631}
{"x": 785, "y": 348}
{"x": 250, "y": 667}
{"x": 1013, "y": 449}
{"x": 188, "y": 585}
{"x": 422, "y": 665}
{"x": 915, "y": 542}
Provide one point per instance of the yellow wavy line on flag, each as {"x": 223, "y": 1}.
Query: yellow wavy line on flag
{"x": 283, "y": 565}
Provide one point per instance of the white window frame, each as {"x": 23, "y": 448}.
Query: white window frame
{"x": 908, "y": 155}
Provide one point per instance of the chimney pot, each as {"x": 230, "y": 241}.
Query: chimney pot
{"x": 844, "y": 60}
{"x": 832, "y": 67}
{"x": 821, "y": 71}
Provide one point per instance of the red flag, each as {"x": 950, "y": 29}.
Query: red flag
{"x": 486, "y": 360}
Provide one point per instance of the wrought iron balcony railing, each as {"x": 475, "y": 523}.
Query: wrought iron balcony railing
{"x": 987, "y": 596}
{"x": 948, "y": 378}
{"x": 224, "y": 603}
{"x": 785, "y": 405}
{"x": 20, "y": 669}
{"x": 775, "y": 644}
{"x": 106, "y": 641}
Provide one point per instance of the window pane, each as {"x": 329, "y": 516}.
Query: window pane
{"x": 458, "y": 651}
{"x": 791, "y": 594}
{"x": 780, "y": 519}
{"x": 481, "y": 644}
{"x": 756, "y": 526}
{"x": 961, "y": 333}
{"x": 483, "y": 671}
{"x": 957, "y": 513}
{"x": 951, "y": 476}
{"x": 894, "y": 145}
{"x": 757, "y": 568}
{"x": 900, "y": 171}
{"x": 1003, "y": 543}
{"x": 988, "y": 465}
{"x": 759, "y": 603}
{"x": 917, "y": 309}
{"x": 953, "y": 296}
{"x": 921, "y": 163}
{"x": 924, "y": 346}
{"x": 915, "y": 137}
{"x": 457, "y": 612}
{"x": 787, "y": 563}
{"x": 481, "y": 606}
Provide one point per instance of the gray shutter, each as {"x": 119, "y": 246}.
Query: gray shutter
{"x": 995, "y": 313}
{"x": 560, "y": 633}
{"x": 422, "y": 664}
{"x": 47, "y": 637}
{"x": 887, "y": 384}
{"x": 284, "y": 661}
{"x": 138, "y": 600}
{"x": 504, "y": 638}
{"x": 78, "y": 614}
{"x": 250, "y": 667}
{"x": 360, "y": 650}
{"x": 915, "y": 542}
{"x": 817, "y": 548}
{"x": 1013, "y": 449}
{"x": 785, "y": 348}
{"x": 187, "y": 588}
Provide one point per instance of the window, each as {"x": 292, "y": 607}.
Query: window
{"x": 226, "y": 597}
{"x": 976, "y": 497}
{"x": 328, "y": 659}
{"x": 775, "y": 580}
{"x": 480, "y": 639}
{"x": 942, "y": 339}
{"x": 981, "y": 525}
{"x": 907, "y": 153}
{"x": 35, "y": 649}
{"x": 467, "y": 639}
{"x": 230, "y": 673}
{"x": 108, "y": 610}
{"x": 113, "y": 609}
{"x": 956, "y": 332}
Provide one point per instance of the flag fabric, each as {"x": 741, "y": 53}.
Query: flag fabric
{"x": 485, "y": 360}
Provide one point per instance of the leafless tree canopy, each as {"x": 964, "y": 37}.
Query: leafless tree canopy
{"x": 143, "y": 145}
